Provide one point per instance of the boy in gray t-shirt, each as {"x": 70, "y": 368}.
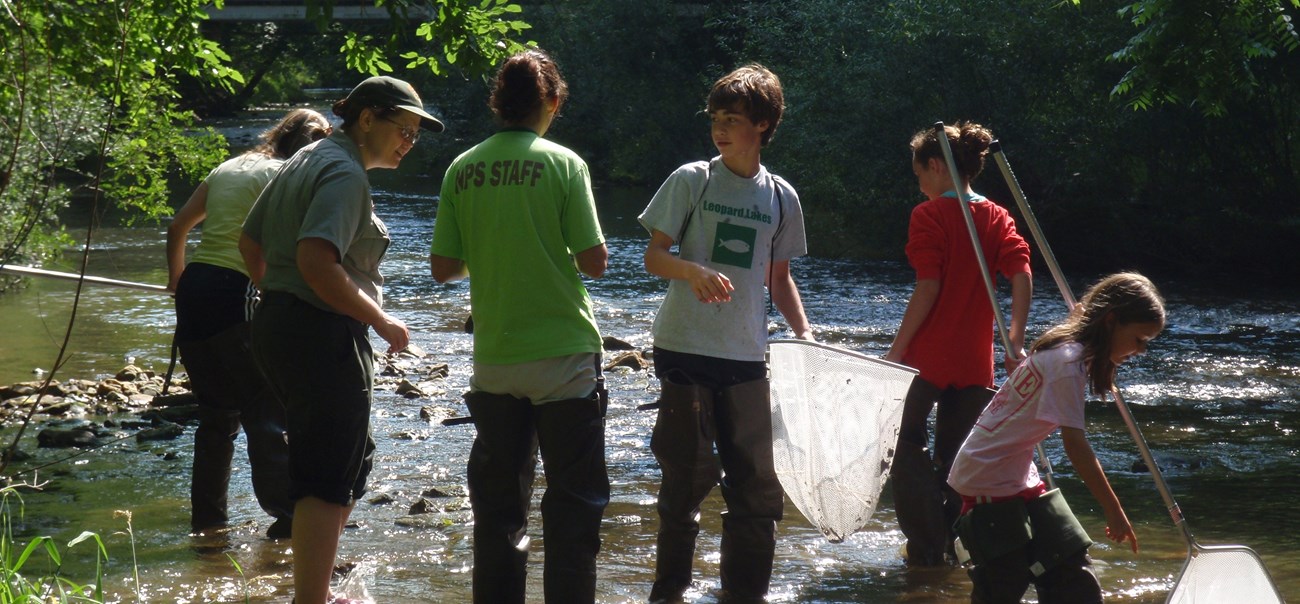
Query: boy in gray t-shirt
{"x": 736, "y": 227}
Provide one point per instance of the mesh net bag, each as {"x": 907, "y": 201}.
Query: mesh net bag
{"x": 835, "y": 419}
{"x": 1224, "y": 574}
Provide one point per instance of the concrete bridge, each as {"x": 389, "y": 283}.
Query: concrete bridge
{"x": 296, "y": 10}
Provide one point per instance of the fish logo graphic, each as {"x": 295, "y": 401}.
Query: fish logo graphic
{"x": 735, "y": 245}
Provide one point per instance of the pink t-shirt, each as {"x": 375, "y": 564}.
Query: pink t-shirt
{"x": 1044, "y": 393}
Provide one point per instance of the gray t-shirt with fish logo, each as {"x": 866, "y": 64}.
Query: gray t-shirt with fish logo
{"x": 736, "y": 226}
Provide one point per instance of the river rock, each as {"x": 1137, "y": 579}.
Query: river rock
{"x": 435, "y": 413}
{"x": 30, "y": 388}
{"x": 631, "y": 359}
{"x": 166, "y": 431}
{"x": 63, "y": 438}
{"x": 409, "y": 390}
{"x": 174, "y": 400}
{"x": 613, "y": 343}
{"x": 131, "y": 373}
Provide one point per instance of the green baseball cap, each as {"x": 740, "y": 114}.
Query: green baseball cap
{"x": 386, "y": 91}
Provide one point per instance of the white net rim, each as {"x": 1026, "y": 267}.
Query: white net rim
{"x": 841, "y": 350}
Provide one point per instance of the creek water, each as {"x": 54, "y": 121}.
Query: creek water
{"x": 1217, "y": 396}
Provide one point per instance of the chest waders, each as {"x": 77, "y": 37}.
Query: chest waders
{"x": 1016, "y": 542}
{"x": 232, "y": 393}
{"x": 692, "y": 420}
{"x": 570, "y": 435}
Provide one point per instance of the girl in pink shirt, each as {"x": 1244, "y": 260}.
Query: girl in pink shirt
{"x": 1015, "y": 530}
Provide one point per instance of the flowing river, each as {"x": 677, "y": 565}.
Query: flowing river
{"x": 1217, "y": 396}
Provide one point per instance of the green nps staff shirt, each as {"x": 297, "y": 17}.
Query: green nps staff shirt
{"x": 516, "y": 208}
{"x": 322, "y": 192}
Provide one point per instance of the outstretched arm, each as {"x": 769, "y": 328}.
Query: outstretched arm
{"x": 1085, "y": 463}
{"x": 918, "y": 308}
{"x": 785, "y": 294}
{"x": 709, "y": 285}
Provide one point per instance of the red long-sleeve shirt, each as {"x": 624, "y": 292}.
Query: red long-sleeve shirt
{"x": 954, "y": 345}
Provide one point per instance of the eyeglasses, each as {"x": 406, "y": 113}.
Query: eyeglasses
{"x": 408, "y": 133}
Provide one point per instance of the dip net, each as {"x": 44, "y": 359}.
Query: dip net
{"x": 835, "y": 419}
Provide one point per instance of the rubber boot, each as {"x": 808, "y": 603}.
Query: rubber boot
{"x": 501, "y": 469}
{"x": 755, "y": 499}
{"x": 918, "y": 503}
{"x": 571, "y": 436}
{"x": 683, "y": 445}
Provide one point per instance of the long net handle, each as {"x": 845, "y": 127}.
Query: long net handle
{"x": 1175, "y": 513}
{"x": 1034, "y": 229}
{"x": 958, "y": 189}
{"x": 28, "y": 271}
{"x": 1171, "y": 506}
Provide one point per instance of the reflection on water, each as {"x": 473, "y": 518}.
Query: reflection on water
{"x": 1216, "y": 398}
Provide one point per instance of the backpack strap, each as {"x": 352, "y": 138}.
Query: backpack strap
{"x": 708, "y": 173}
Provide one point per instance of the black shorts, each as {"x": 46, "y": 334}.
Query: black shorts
{"x": 321, "y": 366}
{"x": 211, "y": 299}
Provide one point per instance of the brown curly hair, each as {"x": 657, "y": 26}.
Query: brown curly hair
{"x": 970, "y": 146}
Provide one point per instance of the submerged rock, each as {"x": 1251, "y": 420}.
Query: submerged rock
{"x": 65, "y": 438}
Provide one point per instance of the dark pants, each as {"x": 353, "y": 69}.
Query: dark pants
{"x": 502, "y": 462}
{"x": 212, "y": 333}
{"x": 321, "y": 367}
{"x": 706, "y": 403}
{"x": 1005, "y": 580}
{"x": 924, "y": 503}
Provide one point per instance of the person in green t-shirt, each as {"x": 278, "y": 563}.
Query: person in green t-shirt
{"x": 516, "y": 215}
{"x": 214, "y": 305}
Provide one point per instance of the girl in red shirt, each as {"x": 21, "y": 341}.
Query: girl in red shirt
{"x": 947, "y": 331}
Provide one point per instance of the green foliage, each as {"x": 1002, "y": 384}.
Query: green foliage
{"x": 1113, "y": 188}
{"x": 471, "y": 35}
{"x": 1204, "y": 53}
{"x": 89, "y": 92}
{"x": 20, "y": 582}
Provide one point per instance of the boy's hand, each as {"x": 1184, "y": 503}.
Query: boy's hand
{"x": 709, "y": 285}
{"x": 1119, "y": 530}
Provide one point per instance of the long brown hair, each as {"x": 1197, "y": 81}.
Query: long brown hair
{"x": 1128, "y": 298}
{"x": 296, "y": 130}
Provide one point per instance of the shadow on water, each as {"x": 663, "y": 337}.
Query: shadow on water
{"x": 1216, "y": 397}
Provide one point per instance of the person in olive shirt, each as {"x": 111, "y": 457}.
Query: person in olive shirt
{"x": 313, "y": 244}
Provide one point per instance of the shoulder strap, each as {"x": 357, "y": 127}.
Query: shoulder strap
{"x": 708, "y": 173}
